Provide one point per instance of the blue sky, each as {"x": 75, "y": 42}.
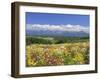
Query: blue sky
{"x": 57, "y": 22}
{"x": 57, "y": 19}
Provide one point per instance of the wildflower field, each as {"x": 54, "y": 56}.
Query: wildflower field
{"x": 74, "y": 52}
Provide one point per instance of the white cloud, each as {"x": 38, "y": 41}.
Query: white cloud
{"x": 68, "y": 27}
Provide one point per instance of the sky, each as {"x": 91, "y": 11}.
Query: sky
{"x": 56, "y": 19}
{"x": 57, "y": 22}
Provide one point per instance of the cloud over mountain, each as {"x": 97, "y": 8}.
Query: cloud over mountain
{"x": 57, "y": 28}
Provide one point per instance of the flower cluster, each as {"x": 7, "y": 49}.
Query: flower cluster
{"x": 57, "y": 54}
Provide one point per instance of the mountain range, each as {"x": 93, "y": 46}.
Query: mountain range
{"x": 66, "y": 31}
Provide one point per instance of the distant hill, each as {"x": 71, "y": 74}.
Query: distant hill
{"x": 56, "y": 33}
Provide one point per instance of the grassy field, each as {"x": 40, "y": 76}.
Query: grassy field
{"x": 48, "y": 51}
